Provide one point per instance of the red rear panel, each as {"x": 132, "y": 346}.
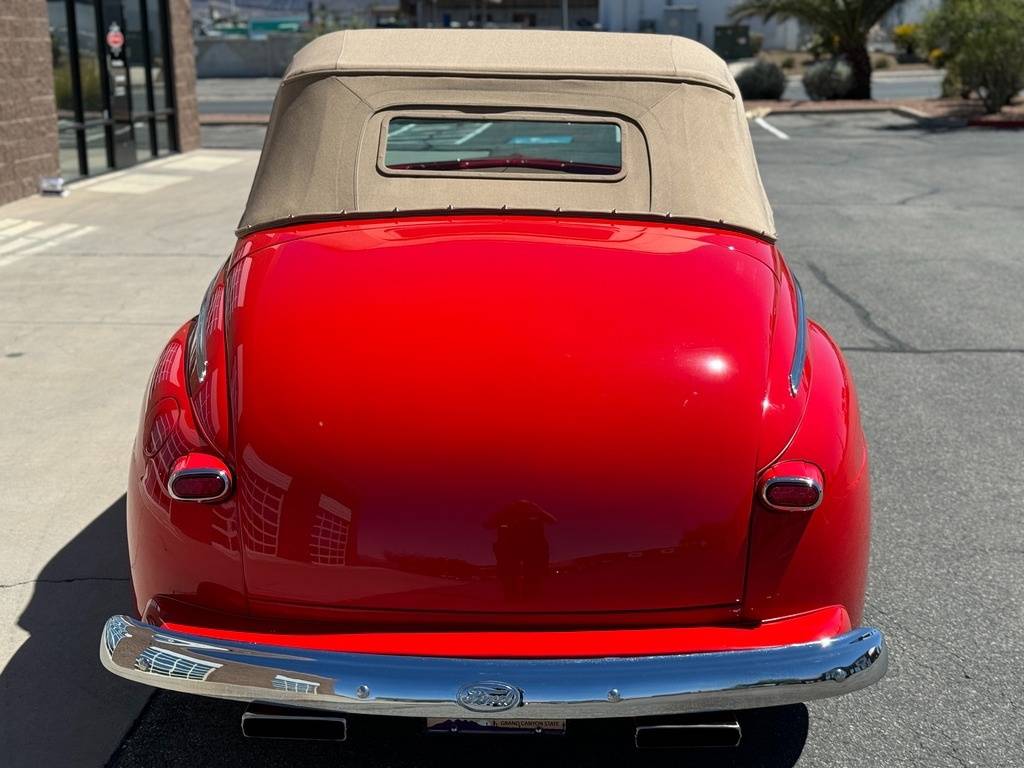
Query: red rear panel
{"x": 498, "y": 415}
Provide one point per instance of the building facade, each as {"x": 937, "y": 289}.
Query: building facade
{"x": 696, "y": 19}
{"x": 89, "y": 86}
{"x": 542, "y": 14}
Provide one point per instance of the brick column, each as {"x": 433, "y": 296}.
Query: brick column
{"x": 28, "y": 112}
{"x": 183, "y": 50}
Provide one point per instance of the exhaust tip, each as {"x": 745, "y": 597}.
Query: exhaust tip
{"x": 271, "y": 721}
{"x": 688, "y": 735}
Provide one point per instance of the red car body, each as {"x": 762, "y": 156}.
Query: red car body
{"x": 563, "y": 464}
{"x": 566, "y": 434}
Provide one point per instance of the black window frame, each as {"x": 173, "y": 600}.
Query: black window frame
{"x": 151, "y": 114}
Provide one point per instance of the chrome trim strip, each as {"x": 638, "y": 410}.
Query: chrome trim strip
{"x": 810, "y": 482}
{"x": 550, "y": 688}
{"x": 796, "y": 371}
{"x": 225, "y": 480}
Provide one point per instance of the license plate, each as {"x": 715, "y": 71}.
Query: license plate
{"x": 507, "y": 725}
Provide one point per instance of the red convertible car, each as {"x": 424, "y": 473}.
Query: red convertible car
{"x": 503, "y": 413}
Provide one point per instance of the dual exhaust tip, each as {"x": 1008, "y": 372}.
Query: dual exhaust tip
{"x": 688, "y": 735}
{"x": 272, "y": 721}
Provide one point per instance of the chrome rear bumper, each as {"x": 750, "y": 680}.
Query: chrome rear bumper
{"x": 522, "y": 688}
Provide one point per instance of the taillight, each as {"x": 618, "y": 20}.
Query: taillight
{"x": 792, "y": 486}
{"x": 199, "y": 477}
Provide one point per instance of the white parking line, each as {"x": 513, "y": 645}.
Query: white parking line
{"x": 19, "y": 226}
{"x": 771, "y": 128}
{"x": 13, "y": 245}
{"x": 31, "y": 239}
{"x": 199, "y": 161}
{"x": 473, "y": 134}
{"x": 76, "y": 233}
{"x": 136, "y": 183}
{"x": 52, "y": 231}
{"x": 400, "y": 131}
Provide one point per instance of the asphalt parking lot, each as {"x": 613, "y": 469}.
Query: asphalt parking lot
{"x": 908, "y": 243}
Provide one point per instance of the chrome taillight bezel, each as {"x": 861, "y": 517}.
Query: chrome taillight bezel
{"x": 220, "y": 474}
{"x": 802, "y": 481}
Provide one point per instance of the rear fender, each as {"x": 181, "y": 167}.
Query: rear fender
{"x": 187, "y": 549}
{"x": 804, "y": 560}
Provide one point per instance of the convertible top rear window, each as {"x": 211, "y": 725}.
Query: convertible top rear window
{"x": 502, "y": 146}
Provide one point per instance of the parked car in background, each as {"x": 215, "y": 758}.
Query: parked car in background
{"x": 503, "y": 413}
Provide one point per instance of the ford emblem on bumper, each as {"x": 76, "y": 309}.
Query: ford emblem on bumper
{"x": 489, "y": 697}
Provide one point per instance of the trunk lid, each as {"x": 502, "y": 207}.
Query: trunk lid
{"x": 498, "y": 415}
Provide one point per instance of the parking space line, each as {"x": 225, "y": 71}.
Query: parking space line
{"x": 75, "y": 233}
{"x": 52, "y": 231}
{"x": 15, "y": 244}
{"x": 199, "y": 161}
{"x": 771, "y": 128}
{"x": 401, "y": 130}
{"x": 16, "y": 249}
{"x": 137, "y": 183}
{"x": 473, "y": 134}
{"x": 19, "y": 227}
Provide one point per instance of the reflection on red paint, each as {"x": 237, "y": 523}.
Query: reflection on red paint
{"x": 502, "y": 422}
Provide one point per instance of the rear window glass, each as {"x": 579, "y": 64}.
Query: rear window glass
{"x": 519, "y": 146}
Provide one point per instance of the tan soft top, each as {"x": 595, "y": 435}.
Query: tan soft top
{"x": 530, "y": 53}
{"x": 686, "y": 149}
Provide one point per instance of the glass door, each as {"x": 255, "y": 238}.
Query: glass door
{"x": 115, "y": 99}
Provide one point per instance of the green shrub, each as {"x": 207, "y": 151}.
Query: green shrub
{"x": 831, "y": 79}
{"x": 789, "y": 62}
{"x": 762, "y": 80}
{"x": 907, "y": 37}
{"x": 982, "y": 45}
{"x": 822, "y": 45}
{"x": 882, "y": 62}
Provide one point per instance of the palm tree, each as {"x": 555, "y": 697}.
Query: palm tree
{"x": 848, "y": 22}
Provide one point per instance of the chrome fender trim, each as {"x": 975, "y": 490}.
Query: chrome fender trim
{"x": 796, "y": 370}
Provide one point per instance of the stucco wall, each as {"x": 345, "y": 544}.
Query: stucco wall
{"x": 184, "y": 73}
{"x": 28, "y": 113}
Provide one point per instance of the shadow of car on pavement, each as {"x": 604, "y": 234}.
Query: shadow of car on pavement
{"x": 58, "y": 706}
{"x": 191, "y": 731}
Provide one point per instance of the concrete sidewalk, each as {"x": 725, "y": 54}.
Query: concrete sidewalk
{"x": 91, "y": 285}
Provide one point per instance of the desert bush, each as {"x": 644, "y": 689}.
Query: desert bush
{"x": 841, "y": 27}
{"x": 907, "y": 37}
{"x": 762, "y": 80}
{"x": 789, "y": 62}
{"x": 882, "y": 62}
{"x": 821, "y": 46}
{"x": 982, "y": 44}
{"x": 832, "y": 79}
